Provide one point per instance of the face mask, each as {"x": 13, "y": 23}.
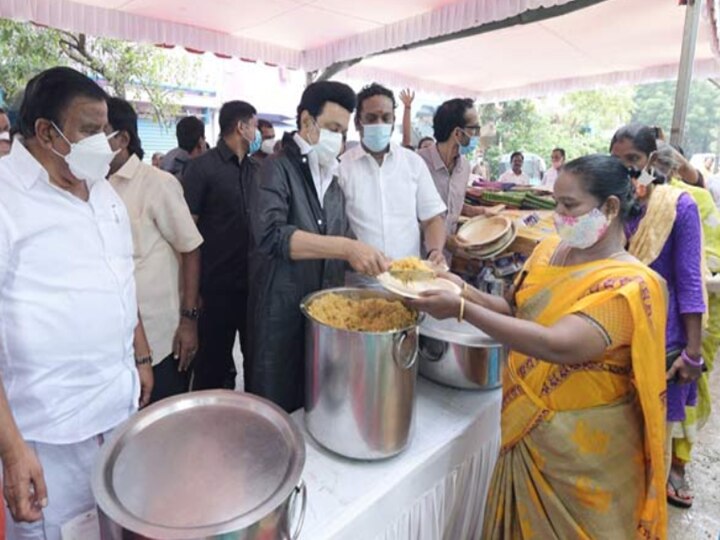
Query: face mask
{"x": 645, "y": 178}
{"x": 470, "y": 147}
{"x": 89, "y": 159}
{"x": 268, "y": 146}
{"x": 376, "y": 137}
{"x": 583, "y": 231}
{"x": 328, "y": 147}
{"x": 256, "y": 143}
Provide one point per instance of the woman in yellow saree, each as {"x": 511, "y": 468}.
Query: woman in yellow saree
{"x": 583, "y": 418}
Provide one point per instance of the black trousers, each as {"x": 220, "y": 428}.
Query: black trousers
{"x": 224, "y": 315}
{"x": 168, "y": 380}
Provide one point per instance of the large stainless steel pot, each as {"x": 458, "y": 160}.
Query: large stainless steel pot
{"x": 207, "y": 465}
{"x": 359, "y": 386}
{"x": 459, "y": 355}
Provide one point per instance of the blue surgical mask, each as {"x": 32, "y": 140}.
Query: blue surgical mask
{"x": 256, "y": 143}
{"x": 469, "y": 148}
{"x": 376, "y": 137}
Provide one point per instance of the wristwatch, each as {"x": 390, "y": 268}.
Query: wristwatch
{"x": 192, "y": 314}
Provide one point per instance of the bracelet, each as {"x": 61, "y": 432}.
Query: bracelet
{"x": 192, "y": 314}
{"x": 462, "y": 310}
{"x": 143, "y": 361}
{"x": 690, "y": 362}
{"x": 464, "y": 289}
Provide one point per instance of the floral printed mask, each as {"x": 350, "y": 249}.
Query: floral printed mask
{"x": 584, "y": 231}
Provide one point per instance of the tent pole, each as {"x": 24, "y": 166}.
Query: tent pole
{"x": 332, "y": 70}
{"x": 687, "y": 58}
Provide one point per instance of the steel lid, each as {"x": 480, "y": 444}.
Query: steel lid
{"x": 199, "y": 464}
{"x": 452, "y": 331}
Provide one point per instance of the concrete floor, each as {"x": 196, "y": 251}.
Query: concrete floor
{"x": 702, "y": 521}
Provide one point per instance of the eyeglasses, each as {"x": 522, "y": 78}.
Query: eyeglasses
{"x": 472, "y": 130}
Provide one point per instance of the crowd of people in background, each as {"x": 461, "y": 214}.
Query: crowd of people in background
{"x": 123, "y": 283}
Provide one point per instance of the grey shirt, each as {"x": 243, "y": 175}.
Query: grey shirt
{"x": 450, "y": 186}
{"x": 175, "y": 161}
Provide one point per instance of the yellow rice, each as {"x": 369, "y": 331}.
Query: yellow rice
{"x": 409, "y": 264}
{"x": 361, "y": 314}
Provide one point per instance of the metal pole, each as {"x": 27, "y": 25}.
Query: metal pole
{"x": 687, "y": 59}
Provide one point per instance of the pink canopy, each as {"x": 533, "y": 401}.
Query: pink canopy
{"x": 603, "y": 43}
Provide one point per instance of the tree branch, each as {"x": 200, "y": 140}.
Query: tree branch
{"x": 78, "y": 52}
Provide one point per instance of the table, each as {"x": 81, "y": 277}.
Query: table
{"x": 434, "y": 490}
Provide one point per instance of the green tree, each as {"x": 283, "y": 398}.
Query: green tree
{"x": 581, "y": 123}
{"x": 128, "y": 69}
{"x": 519, "y": 126}
{"x": 24, "y": 51}
{"x": 654, "y": 105}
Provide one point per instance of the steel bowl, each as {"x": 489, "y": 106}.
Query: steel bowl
{"x": 360, "y": 386}
{"x": 459, "y": 355}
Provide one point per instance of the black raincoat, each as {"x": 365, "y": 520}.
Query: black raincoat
{"x": 284, "y": 200}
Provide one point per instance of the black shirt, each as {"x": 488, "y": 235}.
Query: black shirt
{"x": 216, "y": 189}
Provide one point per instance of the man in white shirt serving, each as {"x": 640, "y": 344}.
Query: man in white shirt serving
{"x": 515, "y": 175}
{"x": 68, "y": 312}
{"x": 390, "y": 196}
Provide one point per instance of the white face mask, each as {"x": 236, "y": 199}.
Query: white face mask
{"x": 268, "y": 146}
{"x": 89, "y": 159}
{"x": 328, "y": 146}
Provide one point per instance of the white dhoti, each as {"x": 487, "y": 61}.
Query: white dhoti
{"x": 67, "y": 469}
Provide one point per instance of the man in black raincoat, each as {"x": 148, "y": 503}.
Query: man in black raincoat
{"x": 302, "y": 241}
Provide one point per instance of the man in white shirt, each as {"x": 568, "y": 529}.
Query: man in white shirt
{"x": 557, "y": 158}
{"x": 166, "y": 247}
{"x": 515, "y": 175}
{"x": 390, "y": 196}
{"x": 68, "y": 312}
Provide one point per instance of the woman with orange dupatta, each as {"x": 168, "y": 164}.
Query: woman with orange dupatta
{"x": 583, "y": 417}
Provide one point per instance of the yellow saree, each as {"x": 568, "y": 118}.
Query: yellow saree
{"x": 582, "y": 452}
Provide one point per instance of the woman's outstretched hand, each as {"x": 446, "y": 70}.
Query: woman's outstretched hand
{"x": 439, "y": 304}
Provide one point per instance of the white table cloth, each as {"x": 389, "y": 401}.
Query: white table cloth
{"x": 434, "y": 490}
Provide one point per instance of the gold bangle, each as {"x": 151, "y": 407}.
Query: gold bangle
{"x": 464, "y": 289}
{"x": 462, "y": 309}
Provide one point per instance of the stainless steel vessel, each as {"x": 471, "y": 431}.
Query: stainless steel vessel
{"x": 207, "y": 465}
{"x": 459, "y": 355}
{"x": 359, "y": 386}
